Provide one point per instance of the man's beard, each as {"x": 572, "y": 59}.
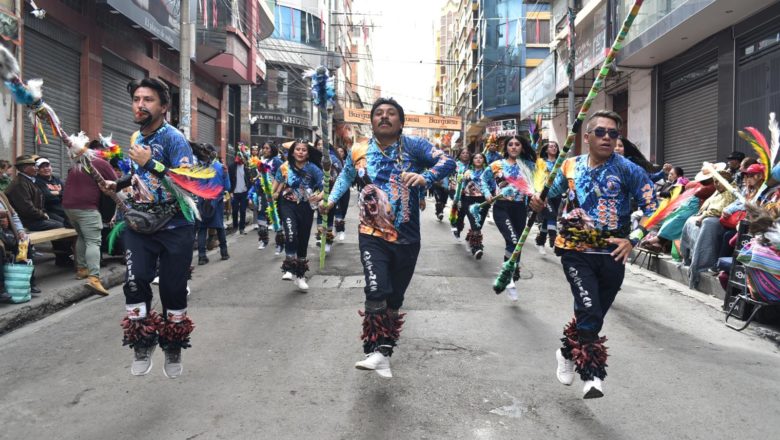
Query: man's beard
{"x": 145, "y": 121}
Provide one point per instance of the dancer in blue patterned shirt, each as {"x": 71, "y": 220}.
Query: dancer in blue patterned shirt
{"x": 472, "y": 193}
{"x": 391, "y": 165}
{"x": 509, "y": 212}
{"x": 297, "y": 189}
{"x": 594, "y": 243}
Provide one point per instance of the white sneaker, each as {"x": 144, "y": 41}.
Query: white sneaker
{"x": 261, "y": 245}
{"x": 592, "y": 389}
{"x": 287, "y": 276}
{"x": 478, "y": 254}
{"x": 156, "y": 280}
{"x": 540, "y": 248}
{"x": 278, "y": 250}
{"x": 327, "y": 248}
{"x": 565, "y": 371}
{"x": 300, "y": 283}
{"x": 340, "y": 236}
{"x": 378, "y": 362}
{"x": 511, "y": 291}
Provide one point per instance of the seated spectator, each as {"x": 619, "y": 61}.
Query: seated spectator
{"x": 676, "y": 177}
{"x": 702, "y": 233}
{"x": 733, "y": 163}
{"x": 82, "y": 201}
{"x": 51, "y": 187}
{"x": 739, "y": 180}
{"x": 6, "y": 174}
{"x": 27, "y": 199}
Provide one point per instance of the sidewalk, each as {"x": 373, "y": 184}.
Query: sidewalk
{"x": 60, "y": 288}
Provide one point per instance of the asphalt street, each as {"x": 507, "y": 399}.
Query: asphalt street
{"x": 268, "y": 362}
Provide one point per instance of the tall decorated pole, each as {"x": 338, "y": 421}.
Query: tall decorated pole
{"x": 509, "y": 267}
{"x": 323, "y": 93}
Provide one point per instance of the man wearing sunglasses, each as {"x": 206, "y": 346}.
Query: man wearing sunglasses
{"x": 594, "y": 242}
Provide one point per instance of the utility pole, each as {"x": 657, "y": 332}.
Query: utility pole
{"x": 185, "y": 74}
{"x": 572, "y": 57}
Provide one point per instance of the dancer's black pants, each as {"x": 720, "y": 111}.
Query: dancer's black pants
{"x": 510, "y": 219}
{"x": 466, "y": 202}
{"x": 173, "y": 249}
{"x": 240, "y": 203}
{"x": 440, "y": 195}
{"x": 388, "y": 268}
{"x": 296, "y": 219}
{"x": 595, "y": 280}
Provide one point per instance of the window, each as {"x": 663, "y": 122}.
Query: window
{"x": 294, "y": 25}
{"x": 537, "y": 32}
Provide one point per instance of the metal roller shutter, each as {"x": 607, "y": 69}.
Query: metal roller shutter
{"x": 117, "y": 105}
{"x": 53, "y": 57}
{"x": 691, "y": 128}
{"x": 207, "y": 124}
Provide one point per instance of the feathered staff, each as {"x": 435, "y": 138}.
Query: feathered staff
{"x": 271, "y": 212}
{"x": 516, "y": 185}
{"x": 767, "y": 154}
{"x": 31, "y": 95}
{"x": 323, "y": 93}
{"x": 456, "y": 200}
{"x": 509, "y": 267}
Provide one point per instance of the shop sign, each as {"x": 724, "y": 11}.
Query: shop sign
{"x": 435, "y": 122}
{"x": 504, "y": 127}
{"x": 282, "y": 119}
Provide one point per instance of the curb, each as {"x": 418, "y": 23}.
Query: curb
{"x": 58, "y": 300}
{"x": 55, "y": 301}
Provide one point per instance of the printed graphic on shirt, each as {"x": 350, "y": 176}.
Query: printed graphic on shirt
{"x": 388, "y": 208}
{"x": 472, "y": 182}
{"x": 299, "y": 183}
{"x": 170, "y": 148}
{"x": 596, "y": 203}
{"x": 499, "y": 172}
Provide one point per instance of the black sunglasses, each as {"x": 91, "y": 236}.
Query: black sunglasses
{"x": 601, "y": 131}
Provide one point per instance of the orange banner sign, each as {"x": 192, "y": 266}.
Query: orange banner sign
{"x": 361, "y": 116}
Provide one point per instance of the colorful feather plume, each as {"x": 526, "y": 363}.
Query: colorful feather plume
{"x": 774, "y": 136}
{"x": 663, "y": 212}
{"x": 322, "y": 89}
{"x": 208, "y": 189}
{"x": 203, "y": 173}
{"x": 116, "y": 231}
{"x": 760, "y": 146}
{"x": 111, "y": 150}
{"x": 9, "y": 67}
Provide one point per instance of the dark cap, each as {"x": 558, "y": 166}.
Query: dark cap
{"x": 25, "y": 159}
{"x": 736, "y": 155}
{"x": 389, "y": 101}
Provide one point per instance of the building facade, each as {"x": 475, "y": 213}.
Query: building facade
{"x": 691, "y": 74}
{"x": 491, "y": 45}
{"x": 86, "y": 52}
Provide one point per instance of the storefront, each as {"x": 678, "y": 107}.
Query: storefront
{"x": 53, "y": 54}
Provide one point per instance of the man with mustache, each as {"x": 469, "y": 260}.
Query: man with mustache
{"x": 157, "y": 147}
{"x": 392, "y": 167}
{"x": 594, "y": 242}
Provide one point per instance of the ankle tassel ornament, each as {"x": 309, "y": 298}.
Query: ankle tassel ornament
{"x": 590, "y": 358}
{"x": 569, "y": 334}
{"x": 381, "y": 330}
{"x": 175, "y": 335}
{"x": 141, "y": 332}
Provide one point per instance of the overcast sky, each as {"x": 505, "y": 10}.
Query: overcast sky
{"x": 404, "y": 36}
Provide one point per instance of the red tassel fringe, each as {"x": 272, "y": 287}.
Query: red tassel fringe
{"x": 176, "y": 334}
{"x": 590, "y": 358}
{"x": 379, "y": 329}
{"x": 141, "y": 332}
{"x": 569, "y": 334}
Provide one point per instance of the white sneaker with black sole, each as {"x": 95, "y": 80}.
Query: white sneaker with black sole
{"x": 378, "y": 362}
{"x": 511, "y": 291}
{"x": 592, "y": 389}
{"x": 142, "y": 361}
{"x": 565, "y": 370}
